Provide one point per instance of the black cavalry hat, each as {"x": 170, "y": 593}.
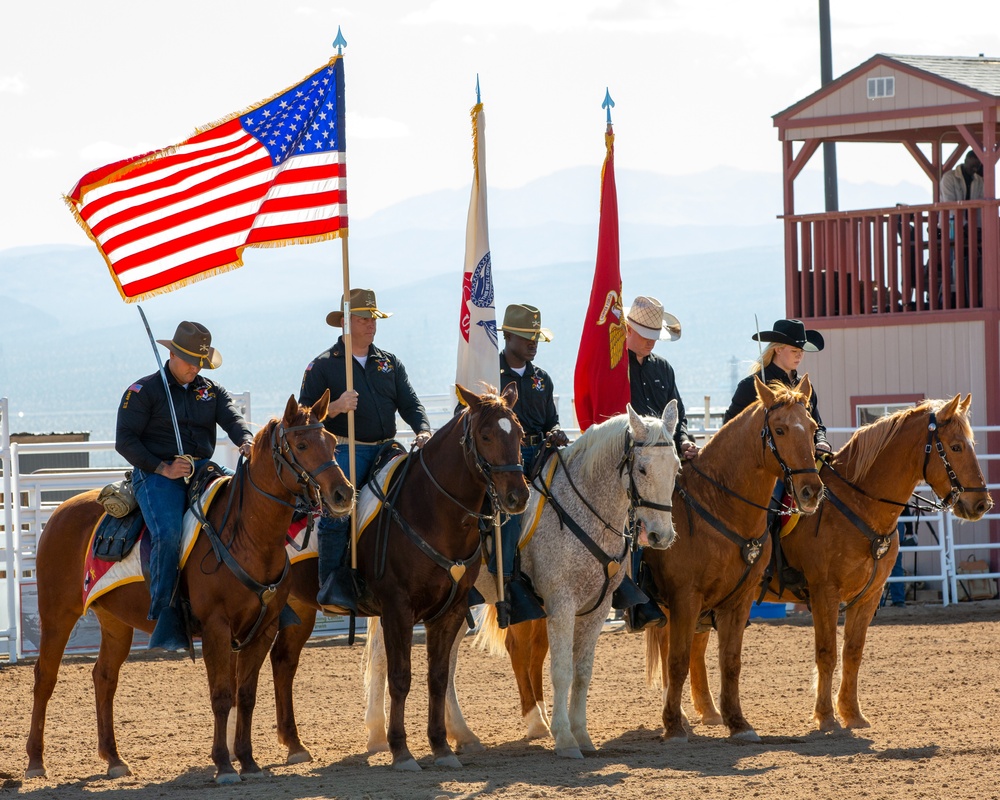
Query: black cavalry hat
{"x": 792, "y": 332}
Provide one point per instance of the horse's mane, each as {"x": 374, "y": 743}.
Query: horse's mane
{"x": 870, "y": 440}
{"x": 783, "y": 396}
{"x": 591, "y": 447}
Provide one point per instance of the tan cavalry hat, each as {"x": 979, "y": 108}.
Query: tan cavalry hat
{"x": 363, "y": 304}
{"x": 192, "y": 343}
{"x": 525, "y": 321}
{"x": 647, "y": 318}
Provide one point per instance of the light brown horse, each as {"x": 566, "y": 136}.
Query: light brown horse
{"x": 847, "y": 550}
{"x": 291, "y": 457}
{"x": 421, "y": 568}
{"x": 717, "y": 561}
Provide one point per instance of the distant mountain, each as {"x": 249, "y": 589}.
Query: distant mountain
{"x": 707, "y": 245}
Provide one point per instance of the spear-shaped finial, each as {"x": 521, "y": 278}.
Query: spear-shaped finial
{"x": 608, "y": 103}
{"x": 478, "y": 99}
{"x": 340, "y": 42}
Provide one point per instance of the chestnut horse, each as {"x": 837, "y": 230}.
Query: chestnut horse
{"x": 573, "y": 552}
{"x": 715, "y": 567}
{"x": 847, "y": 550}
{"x": 418, "y": 559}
{"x": 291, "y": 457}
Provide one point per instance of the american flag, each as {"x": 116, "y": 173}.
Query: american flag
{"x": 271, "y": 175}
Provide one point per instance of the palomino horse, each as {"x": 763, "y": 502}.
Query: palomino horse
{"x": 846, "y": 551}
{"x": 716, "y": 564}
{"x": 291, "y": 457}
{"x": 420, "y": 557}
{"x": 573, "y": 554}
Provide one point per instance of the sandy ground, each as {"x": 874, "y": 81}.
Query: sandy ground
{"x": 930, "y": 686}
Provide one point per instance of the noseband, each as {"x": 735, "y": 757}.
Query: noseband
{"x": 284, "y": 458}
{"x": 482, "y": 466}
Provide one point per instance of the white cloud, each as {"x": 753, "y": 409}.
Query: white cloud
{"x": 41, "y": 153}
{"x": 375, "y": 127}
{"x": 12, "y": 84}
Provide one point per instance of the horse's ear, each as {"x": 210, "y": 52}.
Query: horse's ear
{"x": 805, "y": 387}
{"x": 764, "y": 394}
{"x": 467, "y": 397}
{"x": 510, "y": 393}
{"x": 291, "y": 410}
{"x": 670, "y": 418}
{"x": 967, "y": 404}
{"x": 949, "y": 409}
{"x": 639, "y": 428}
{"x": 322, "y": 406}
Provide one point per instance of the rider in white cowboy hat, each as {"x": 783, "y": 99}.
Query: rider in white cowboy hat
{"x": 381, "y": 389}
{"x": 146, "y": 438}
{"x": 652, "y": 385}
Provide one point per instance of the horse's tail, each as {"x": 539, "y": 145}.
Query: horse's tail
{"x": 374, "y": 649}
{"x": 654, "y": 672}
{"x": 491, "y": 637}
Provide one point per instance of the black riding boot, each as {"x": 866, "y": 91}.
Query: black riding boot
{"x": 337, "y": 589}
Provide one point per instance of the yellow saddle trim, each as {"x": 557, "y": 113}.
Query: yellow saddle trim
{"x": 192, "y": 527}
{"x": 368, "y": 504}
{"x": 546, "y": 482}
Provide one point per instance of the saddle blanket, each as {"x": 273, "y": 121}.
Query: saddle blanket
{"x": 368, "y": 504}
{"x": 100, "y": 577}
{"x": 529, "y": 521}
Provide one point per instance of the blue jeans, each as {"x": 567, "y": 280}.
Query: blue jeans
{"x": 334, "y": 530}
{"x": 897, "y": 591}
{"x": 510, "y": 531}
{"x": 162, "y": 501}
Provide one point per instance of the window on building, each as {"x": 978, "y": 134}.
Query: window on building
{"x": 881, "y": 87}
{"x": 869, "y": 412}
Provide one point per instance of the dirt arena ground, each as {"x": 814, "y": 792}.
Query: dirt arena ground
{"x": 930, "y": 686}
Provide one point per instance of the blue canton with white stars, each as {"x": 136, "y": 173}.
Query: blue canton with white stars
{"x": 302, "y": 120}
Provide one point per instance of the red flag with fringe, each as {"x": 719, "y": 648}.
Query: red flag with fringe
{"x": 601, "y": 387}
{"x": 272, "y": 175}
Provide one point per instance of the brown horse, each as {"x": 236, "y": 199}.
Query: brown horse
{"x": 290, "y": 457}
{"x": 846, "y": 551}
{"x": 717, "y": 561}
{"x": 421, "y": 568}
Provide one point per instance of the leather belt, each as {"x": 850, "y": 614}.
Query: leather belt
{"x": 532, "y": 439}
{"x": 379, "y": 443}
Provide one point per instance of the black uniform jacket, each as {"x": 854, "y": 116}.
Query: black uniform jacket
{"x": 746, "y": 394}
{"x": 145, "y": 433}
{"x": 653, "y": 385}
{"x": 382, "y": 387}
{"x": 536, "y": 407}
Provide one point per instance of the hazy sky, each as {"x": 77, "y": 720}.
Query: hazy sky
{"x": 695, "y": 82}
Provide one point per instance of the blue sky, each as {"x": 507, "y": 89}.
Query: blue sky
{"x": 695, "y": 83}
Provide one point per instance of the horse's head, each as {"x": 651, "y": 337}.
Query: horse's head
{"x": 789, "y": 434}
{"x": 303, "y": 453}
{"x": 950, "y": 464}
{"x": 649, "y": 469}
{"x": 493, "y": 439}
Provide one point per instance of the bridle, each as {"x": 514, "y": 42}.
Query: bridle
{"x": 934, "y": 441}
{"x": 635, "y": 499}
{"x": 309, "y": 490}
{"x": 768, "y": 438}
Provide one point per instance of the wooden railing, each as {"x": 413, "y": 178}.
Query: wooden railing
{"x": 902, "y": 260}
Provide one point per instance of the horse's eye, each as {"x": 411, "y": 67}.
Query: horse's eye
{"x": 779, "y": 431}
{"x": 642, "y": 470}
{"x": 300, "y": 446}
{"x": 956, "y": 448}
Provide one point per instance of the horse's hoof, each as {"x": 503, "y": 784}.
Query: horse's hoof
{"x": 119, "y": 771}
{"x": 471, "y": 746}
{"x": 448, "y": 761}
{"x": 252, "y": 775}
{"x": 569, "y": 752}
{"x": 34, "y": 772}
{"x": 302, "y": 756}
{"x": 749, "y": 735}
{"x": 861, "y": 722}
{"x": 227, "y": 778}
{"x": 828, "y": 724}
{"x": 710, "y": 719}
{"x": 537, "y": 729}
{"x": 407, "y": 765}
{"x": 378, "y": 746}
{"x": 677, "y": 738}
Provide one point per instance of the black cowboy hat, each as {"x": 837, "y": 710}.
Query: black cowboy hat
{"x": 792, "y": 332}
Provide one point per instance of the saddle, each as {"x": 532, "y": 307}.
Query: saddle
{"x": 115, "y": 537}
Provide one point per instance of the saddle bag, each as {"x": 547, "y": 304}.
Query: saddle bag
{"x": 115, "y": 538}
{"x": 118, "y": 498}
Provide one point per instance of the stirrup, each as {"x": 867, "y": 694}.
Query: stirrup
{"x": 169, "y": 633}
{"x": 644, "y": 615}
{"x": 524, "y": 604}
{"x": 628, "y": 594}
{"x": 337, "y": 593}
{"x": 287, "y": 618}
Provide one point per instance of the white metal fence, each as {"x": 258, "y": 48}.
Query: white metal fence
{"x": 943, "y": 542}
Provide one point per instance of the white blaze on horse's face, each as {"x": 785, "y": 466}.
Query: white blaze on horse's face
{"x": 653, "y": 471}
{"x": 504, "y": 425}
